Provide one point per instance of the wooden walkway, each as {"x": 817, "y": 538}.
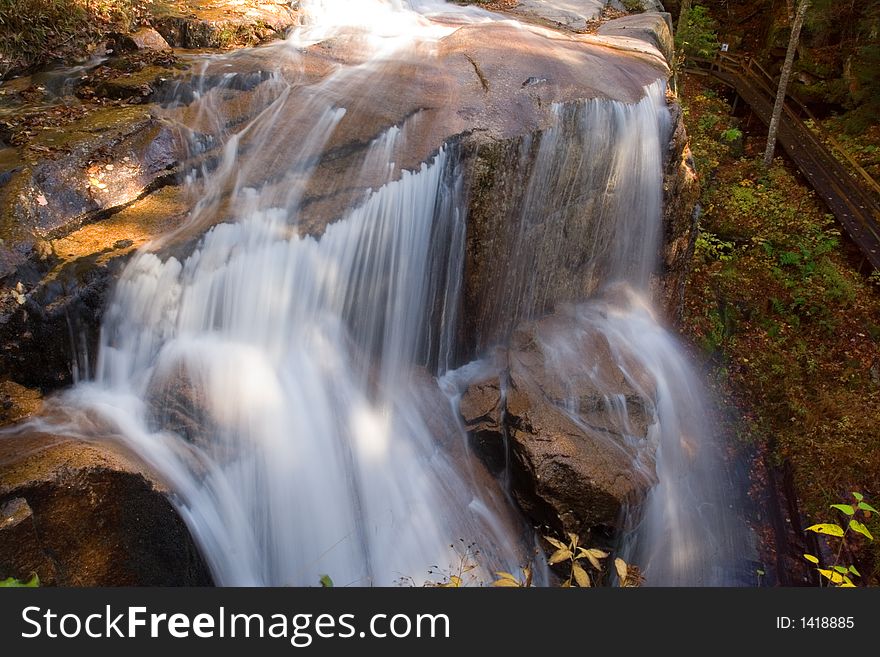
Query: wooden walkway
{"x": 850, "y": 193}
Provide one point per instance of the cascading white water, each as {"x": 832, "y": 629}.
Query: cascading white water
{"x": 311, "y": 453}
{"x": 280, "y": 382}
{"x": 690, "y": 531}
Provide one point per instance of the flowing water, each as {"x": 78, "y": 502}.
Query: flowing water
{"x": 284, "y": 384}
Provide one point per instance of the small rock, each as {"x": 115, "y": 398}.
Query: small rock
{"x": 122, "y": 244}
{"x": 146, "y": 38}
{"x": 14, "y": 512}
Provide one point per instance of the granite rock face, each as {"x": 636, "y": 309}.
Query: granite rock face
{"x": 573, "y": 436}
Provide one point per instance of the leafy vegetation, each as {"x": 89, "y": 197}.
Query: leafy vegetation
{"x": 697, "y": 37}
{"x": 789, "y": 323}
{"x": 855, "y": 514}
{"x": 35, "y": 32}
{"x": 580, "y": 562}
{"x": 12, "y": 583}
{"x": 574, "y": 563}
{"x": 844, "y": 53}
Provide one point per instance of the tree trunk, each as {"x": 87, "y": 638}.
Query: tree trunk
{"x": 783, "y": 80}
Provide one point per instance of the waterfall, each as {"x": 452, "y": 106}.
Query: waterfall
{"x": 284, "y": 381}
{"x": 587, "y": 224}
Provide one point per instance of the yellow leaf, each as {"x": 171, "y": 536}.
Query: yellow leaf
{"x": 559, "y": 545}
{"x": 580, "y": 575}
{"x": 563, "y": 554}
{"x": 504, "y": 575}
{"x": 527, "y": 574}
{"x": 831, "y": 575}
{"x": 574, "y": 539}
{"x": 594, "y": 555}
{"x": 565, "y": 585}
{"x": 811, "y": 558}
{"x": 826, "y": 528}
{"x": 622, "y": 570}
{"x": 505, "y": 582}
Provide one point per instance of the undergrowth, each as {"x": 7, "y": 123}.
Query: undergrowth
{"x": 37, "y": 32}
{"x": 790, "y": 325}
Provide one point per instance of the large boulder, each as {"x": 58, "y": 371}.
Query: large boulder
{"x": 82, "y": 513}
{"x": 573, "y": 425}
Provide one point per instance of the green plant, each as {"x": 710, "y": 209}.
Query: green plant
{"x": 857, "y": 510}
{"x": 697, "y": 37}
{"x": 731, "y": 135}
{"x": 574, "y": 554}
{"x": 12, "y": 583}
{"x": 709, "y": 247}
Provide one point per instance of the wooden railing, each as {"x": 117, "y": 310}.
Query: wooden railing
{"x": 850, "y": 192}
{"x": 752, "y": 68}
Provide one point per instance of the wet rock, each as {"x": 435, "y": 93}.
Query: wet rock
{"x": 179, "y": 405}
{"x": 482, "y": 408}
{"x": 136, "y": 87}
{"x": 49, "y": 340}
{"x": 72, "y": 183}
{"x": 86, "y": 514}
{"x": 222, "y": 23}
{"x": 17, "y": 402}
{"x": 575, "y": 459}
{"x": 49, "y": 330}
{"x": 681, "y": 191}
{"x": 54, "y": 288}
{"x": 480, "y": 405}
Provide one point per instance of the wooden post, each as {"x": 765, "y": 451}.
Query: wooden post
{"x": 783, "y": 80}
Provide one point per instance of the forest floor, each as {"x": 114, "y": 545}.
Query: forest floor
{"x": 777, "y": 304}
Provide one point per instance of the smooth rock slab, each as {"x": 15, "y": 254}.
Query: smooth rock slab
{"x": 569, "y": 14}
